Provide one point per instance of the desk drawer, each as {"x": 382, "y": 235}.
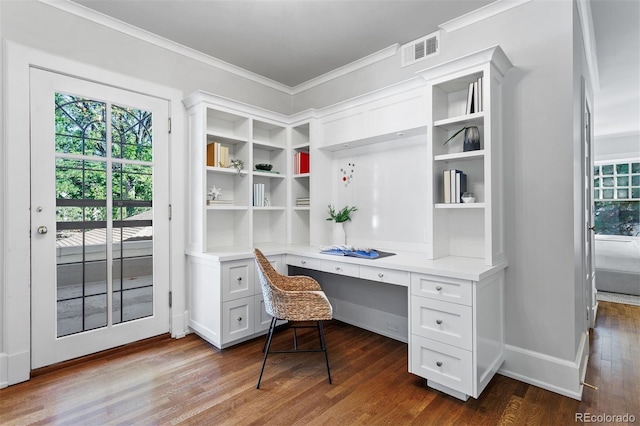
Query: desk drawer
{"x": 441, "y": 288}
{"x": 443, "y": 364}
{"x": 304, "y": 262}
{"x": 341, "y": 268}
{"x": 237, "y": 279}
{"x": 445, "y": 322}
{"x": 390, "y": 276}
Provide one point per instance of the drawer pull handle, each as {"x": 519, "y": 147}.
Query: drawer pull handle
{"x": 380, "y": 275}
{"x": 338, "y": 268}
{"x": 239, "y": 319}
{"x": 303, "y": 261}
{"x": 239, "y": 278}
{"x": 439, "y": 287}
{"x": 439, "y": 363}
{"x": 438, "y": 321}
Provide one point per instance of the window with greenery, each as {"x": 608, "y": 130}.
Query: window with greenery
{"x": 616, "y": 194}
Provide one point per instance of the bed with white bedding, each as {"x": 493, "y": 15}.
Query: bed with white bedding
{"x": 618, "y": 264}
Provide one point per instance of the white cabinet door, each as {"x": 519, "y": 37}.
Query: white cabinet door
{"x": 237, "y": 279}
{"x": 238, "y": 319}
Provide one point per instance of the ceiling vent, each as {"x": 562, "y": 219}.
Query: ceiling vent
{"x": 420, "y": 49}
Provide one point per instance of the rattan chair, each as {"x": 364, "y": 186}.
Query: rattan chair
{"x": 294, "y": 299}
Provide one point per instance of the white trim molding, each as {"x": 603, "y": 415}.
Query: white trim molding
{"x": 478, "y": 15}
{"x": 589, "y": 40}
{"x": 548, "y": 372}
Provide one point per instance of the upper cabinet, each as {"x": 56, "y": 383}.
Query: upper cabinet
{"x": 465, "y": 98}
{"x": 376, "y": 117}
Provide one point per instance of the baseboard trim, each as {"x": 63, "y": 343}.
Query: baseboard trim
{"x": 547, "y": 372}
{"x": 4, "y": 371}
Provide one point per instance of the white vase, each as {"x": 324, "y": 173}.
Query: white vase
{"x": 339, "y": 235}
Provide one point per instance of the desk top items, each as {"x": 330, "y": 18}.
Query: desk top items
{"x": 340, "y": 216}
{"x": 346, "y": 250}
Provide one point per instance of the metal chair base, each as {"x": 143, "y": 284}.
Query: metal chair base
{"x": 267, "y": 345}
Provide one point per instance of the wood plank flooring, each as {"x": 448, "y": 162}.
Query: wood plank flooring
{"x": 188, "y": 381}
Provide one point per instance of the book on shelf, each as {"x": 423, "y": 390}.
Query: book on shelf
{"x": 259, "y": 195}
{"x": 455, "y": 184}
{"x": 218, "y": 202}
{"x": 303, "y": 201}
{"x": 300, "y": 163}
{"x": 474, "y": 97}
{"x": 217, "y": 155}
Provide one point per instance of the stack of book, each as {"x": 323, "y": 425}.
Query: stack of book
{"x": 217, "y": 155}
{"x": 302, "y": 201}
{"x": 455, "y": 184}
{"x": 218, "y": 202}
{"x": 300, "y": 163}
{"x": 259, "y": 199}
{"x": 474, "y": 97}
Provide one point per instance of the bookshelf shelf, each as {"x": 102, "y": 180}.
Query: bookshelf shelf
{"x": 229, "y": 207}
{"x": 460, "y": 156}
{"x": 455, "y": 123}
{"x": 459, "y": 206}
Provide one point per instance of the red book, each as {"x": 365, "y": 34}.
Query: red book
{"x": 304, "y": 162}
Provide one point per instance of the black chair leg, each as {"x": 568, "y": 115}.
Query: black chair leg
{"x": 324, "y": 348}
{"x": 267, "y": 347}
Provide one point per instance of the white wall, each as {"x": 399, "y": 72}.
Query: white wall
{"x": 617, "y": 146}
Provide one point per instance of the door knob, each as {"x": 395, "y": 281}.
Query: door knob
{"x": 42, "y": 229}
{"x": 592, "y": 228}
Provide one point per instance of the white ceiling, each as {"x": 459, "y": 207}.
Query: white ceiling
{"x": 294, "y": 41}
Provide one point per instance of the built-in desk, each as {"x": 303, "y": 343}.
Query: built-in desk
{"x": 455, "y": 312}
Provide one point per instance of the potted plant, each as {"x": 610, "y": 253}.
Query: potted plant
{"x": 340, "y": 217}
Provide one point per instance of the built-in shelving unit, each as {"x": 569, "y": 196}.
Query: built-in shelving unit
{"x": 300, "y": 185}
{"x": 474, "y": 229}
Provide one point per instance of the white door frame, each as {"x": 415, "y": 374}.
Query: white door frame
{"x": 15, "y": 325}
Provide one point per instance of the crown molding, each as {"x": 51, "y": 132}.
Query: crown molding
{"x": 346, "y": 69}
{"x": 128, "y": 29}
{"x": 589, "y": 40}
{"x": 478, "y": 15}
{"x": 156, "y": 40}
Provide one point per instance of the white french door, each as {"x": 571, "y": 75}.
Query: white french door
{"x": 99, "y": 217}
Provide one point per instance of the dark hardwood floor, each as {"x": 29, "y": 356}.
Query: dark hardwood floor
{"x": 166, "y": 381}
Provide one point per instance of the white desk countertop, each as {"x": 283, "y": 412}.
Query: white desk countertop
{"x": 465, "y": 268}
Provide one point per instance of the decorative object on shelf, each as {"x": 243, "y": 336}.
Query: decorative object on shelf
{"x": 214, "y": 193}
{"x": 468, "y": 197}
{"x": 340, "y": 217}
{"x": 346, "y": 173}
{"x": 471, "y": 138}
{"x": 264, "y": 167}
{"x": 237, "y": 164}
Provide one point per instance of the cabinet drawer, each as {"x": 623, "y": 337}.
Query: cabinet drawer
{"x": 238, "y": 319}
{"x": 304, "y": 262}
{"x": 442, "y": 288}
{"x": 445, "y": 322}
{"x": 237, "y": 279}
{"x": 443, "y": 364}
{"x": 341, "y": 268}
{"x": 389, "y": 276}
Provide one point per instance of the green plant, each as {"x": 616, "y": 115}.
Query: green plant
{"x": 342, "y": 215}
{"x": 456, "y": 134}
